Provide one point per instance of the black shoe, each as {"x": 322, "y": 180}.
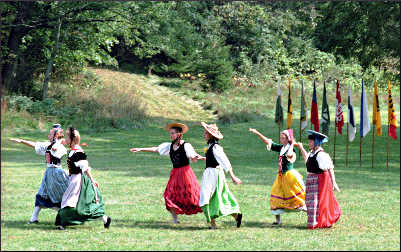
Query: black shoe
{"x": 107, "y": 224}
{"x": 32, "y": 222}
{"x": 61, "y": 228}
{"x": 239, "y": 220}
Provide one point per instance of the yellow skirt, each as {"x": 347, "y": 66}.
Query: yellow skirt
{"x": 288, "y": 192}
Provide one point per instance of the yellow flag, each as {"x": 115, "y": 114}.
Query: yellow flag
{"x": 392, "y": 121}
{"x": 376, "y": 112}
{"x": 289, "y": 112}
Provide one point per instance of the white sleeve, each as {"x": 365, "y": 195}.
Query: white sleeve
{"x": 189, "y": 150}
{"x": 324, "y": 161}
{"x": 83, "y": 164}
{"x": 60, "y": 150}
{"x": 40, "y": 147}
{"x": 221, "y": 157}
{"x": 164, "y": 149}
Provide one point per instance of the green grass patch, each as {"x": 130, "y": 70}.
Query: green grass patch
{"x": 132, "y": 186}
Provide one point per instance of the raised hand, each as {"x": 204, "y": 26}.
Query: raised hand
{"x": 17, "y": 140}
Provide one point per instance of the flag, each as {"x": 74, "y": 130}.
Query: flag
{"x": 339, "y": 111}
{"x": 392, "y": 121}
{"x": 279, "y": 109}
{"x": 289, "y": 111}
{"x": 314, "y": 114}
{"x": 364, "y": 116}
{"x": 325, "y": 113}
{"x": 376, "y": 112}
{"x": 304, "y": 110}
{"x": 351, "y": 120}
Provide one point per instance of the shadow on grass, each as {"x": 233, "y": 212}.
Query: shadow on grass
{"x": 23, "y": 225}
{"x": 156, "y": 225}
{"x": 257, "y": 224}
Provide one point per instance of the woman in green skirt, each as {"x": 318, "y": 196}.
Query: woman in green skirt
{"x": 216, "y": 199}
{"x": 82, "y": 200}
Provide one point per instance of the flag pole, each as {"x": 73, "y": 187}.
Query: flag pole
{"x": 335, "y": 133}
{"x": 300, "y": 134}
{"x": 388, "y": 136}
{"x": 360, "y": 151}
{"x": 373, "y": 145}
{"x": 346, "y": 149}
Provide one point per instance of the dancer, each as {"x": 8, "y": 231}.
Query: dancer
{"x": 82, "y": 200}
{"x": 55, "y": 179}
{"x": 216, "y": 199}
{"x": 288, "y": 191}
{"x": 182, "y": 191}
{"x": 323, "y": 208}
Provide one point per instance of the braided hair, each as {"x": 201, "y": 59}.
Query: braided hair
{"x": 72, "y": 134}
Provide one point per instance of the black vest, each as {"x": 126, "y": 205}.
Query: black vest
{"x": 211, "y": 161}
{"x": 312, "y": 165}
{"x": 178, "y": 157}
{"x": 50, "y": 159}
{"x": 77, "y": 156}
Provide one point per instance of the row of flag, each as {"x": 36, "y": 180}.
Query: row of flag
{"x": 339, "y": 120}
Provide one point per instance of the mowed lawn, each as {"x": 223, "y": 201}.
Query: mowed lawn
{"x": 133, "y": 184}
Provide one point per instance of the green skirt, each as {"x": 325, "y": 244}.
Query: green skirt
{"x": 223, "y": 202}
{"x": 86, "y": 210}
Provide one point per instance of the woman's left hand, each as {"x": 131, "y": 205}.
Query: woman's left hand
{"x": 335, "y": 187}
{"x": 95, "y": 183}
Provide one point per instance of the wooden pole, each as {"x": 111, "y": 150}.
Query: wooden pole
{"x": 388, "y": 136}
{"x": 300, "y": 135}
{"x": 335, "y": 133}
{"x": 360, "y": 151}
{"x": 279, "y": 129}
{"x": 373, "y": 145}
{"x": 346, "y": 149}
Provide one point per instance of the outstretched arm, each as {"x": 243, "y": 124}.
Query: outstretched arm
{"x": 150, "y": 149}
{"x": 26, "y": 142}
{"x": 262, "y": 137}
{"x": 302, "y": 149}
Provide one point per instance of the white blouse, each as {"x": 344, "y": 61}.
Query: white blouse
{"x": 82, "y": 164}
{"x": 40, "y": 148}
{"x": 221, "y": 157}
{"x": 323, "y": 159}
{"x": 164, "y": 149}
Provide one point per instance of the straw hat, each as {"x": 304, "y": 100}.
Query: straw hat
{"x": 178, "y": 125}
{"x": 213, "y": 130}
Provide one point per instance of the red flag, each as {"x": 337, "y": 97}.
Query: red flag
{"x": 314, "y": 117}
{"x": 339, "y": 112}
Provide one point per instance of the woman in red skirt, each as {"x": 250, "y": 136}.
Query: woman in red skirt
{"x": 322, "y": 207}
{"x": 183, "y": 190}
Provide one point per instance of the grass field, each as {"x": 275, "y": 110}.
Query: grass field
{"x": 133, "y": 184}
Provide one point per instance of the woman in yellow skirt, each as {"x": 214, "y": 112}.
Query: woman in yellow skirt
{"x": 288, "y": 191}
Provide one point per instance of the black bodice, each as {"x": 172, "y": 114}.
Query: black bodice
{"x": 312, "y": 165}
{"x": 211, "y": 161}
{"x": 50, "y": 159}
{"x": 178, "y": 157}
{"x": 77, "y": 156}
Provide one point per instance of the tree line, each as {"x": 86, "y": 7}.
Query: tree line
{"x": 43, "y": 41}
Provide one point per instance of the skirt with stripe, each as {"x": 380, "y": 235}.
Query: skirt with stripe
{"x": 322, "y": 207}
{"x": 288, "y": 193}
{"x": 54, "y": 183}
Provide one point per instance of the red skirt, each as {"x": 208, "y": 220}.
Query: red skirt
{"x": 183, "y": 191}
{"x": 322, "y": 206}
